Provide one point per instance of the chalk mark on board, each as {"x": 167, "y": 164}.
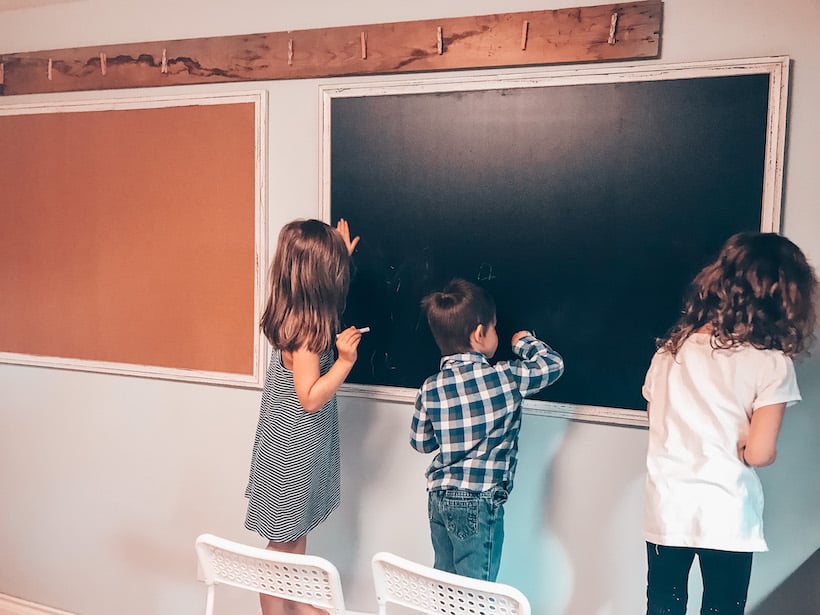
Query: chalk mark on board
{"x": 384, "y": 363}
{"x": 485, "y": 273}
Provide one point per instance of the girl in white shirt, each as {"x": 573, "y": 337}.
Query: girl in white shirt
{"x": 717, "y": 389}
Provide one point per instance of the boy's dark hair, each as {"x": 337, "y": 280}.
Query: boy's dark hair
{"x": 759, "y": 291}
{"x": 454, "y": 313}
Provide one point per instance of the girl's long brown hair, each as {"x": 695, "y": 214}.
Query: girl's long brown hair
{"x": 759, "y": 291}
{"x": 309, "y": 280}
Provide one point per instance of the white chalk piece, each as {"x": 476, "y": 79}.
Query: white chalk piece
{"x": 364, "y": 329}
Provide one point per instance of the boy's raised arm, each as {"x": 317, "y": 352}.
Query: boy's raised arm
{"x": 540, "y": 365}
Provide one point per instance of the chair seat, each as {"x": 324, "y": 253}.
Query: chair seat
{"x": 434, "y": 592}
{"x": 300, "y": 578}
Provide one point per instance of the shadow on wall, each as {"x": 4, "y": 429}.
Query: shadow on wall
{"x": 533, "y": 558}
{"x": 384, "y": 505}
{"x": 602, "y": 528}
{"x": 799, "y": 594}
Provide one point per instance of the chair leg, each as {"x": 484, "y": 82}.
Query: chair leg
{"x": 209, "y": 602}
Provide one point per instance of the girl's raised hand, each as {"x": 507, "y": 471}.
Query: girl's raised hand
{"x": 347, "y": 343}
{"x": 344, "y": 229}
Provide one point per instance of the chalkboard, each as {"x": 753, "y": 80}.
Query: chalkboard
{"x": 584, "y": 207}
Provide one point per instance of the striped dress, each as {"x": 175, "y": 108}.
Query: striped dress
{"x": 294, "y": 480}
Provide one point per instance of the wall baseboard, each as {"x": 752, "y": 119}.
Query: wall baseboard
{"x": 9, "y": 605}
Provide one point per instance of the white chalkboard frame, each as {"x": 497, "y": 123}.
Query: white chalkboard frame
{"x": 776, "y": 67}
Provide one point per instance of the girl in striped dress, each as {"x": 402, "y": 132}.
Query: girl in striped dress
{"x": 294, "y": 480}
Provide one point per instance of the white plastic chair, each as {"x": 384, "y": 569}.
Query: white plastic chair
{"x": 408, "y": 584}
{"x": 300, "y": 578}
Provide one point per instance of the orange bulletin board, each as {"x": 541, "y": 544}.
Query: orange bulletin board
{"x": 131, "y": 237}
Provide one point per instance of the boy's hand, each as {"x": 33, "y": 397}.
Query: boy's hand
{"x": 344, "y": 229}
{"x": 518, "y": 335}
{"x": 347, "y": 343}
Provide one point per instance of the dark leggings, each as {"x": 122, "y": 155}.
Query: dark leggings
{"x": 725, "y": 580}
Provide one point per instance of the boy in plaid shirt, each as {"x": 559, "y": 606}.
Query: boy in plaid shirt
{"x": 470, "y": 412}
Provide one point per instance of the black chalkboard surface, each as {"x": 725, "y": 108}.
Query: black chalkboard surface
{"x": 585, "y": 209}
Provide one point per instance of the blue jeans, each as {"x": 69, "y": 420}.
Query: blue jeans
{"x": 467, "y": 530}
{"x": 725, "y": 580}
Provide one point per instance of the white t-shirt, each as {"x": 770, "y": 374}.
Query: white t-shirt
{"x": 698, "y": 491}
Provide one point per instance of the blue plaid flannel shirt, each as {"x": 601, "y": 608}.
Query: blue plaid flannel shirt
{"x": 470, "y": 412}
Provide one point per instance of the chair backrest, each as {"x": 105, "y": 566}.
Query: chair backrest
{"x": 408, "y": 584}
{"x": 301, "y": 578}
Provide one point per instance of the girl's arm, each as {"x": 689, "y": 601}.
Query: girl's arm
{"x": 761, "y": 445}
{"x": 313, "y": 389}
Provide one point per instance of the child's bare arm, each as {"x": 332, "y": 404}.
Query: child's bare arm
{"x": 760, "y": 448}
{"x": 313, "y": 389}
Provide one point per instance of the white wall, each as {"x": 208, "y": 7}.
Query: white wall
{"x": 105, "y": 481}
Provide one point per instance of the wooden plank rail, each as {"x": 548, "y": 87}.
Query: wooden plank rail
{"x": 608, "y": 32}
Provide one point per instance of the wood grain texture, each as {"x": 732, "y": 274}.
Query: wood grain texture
{"x": 553, "y": 37}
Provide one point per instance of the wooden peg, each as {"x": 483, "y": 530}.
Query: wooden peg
{"x": 49, "y": 72}
{"x": 613, "y": 24}
{"x": 440, "y": 40}
{"x": 164, "y": 66}
{"x": 290, "y": 52}
{"x": 2, "y": 73}
{"x": 525, "y": 28}
{"x": 364, "y": 45}
{"x": 103, "y": 65}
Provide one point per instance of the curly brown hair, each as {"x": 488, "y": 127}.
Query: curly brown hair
{"x": 309, "y": 280}
{"x": 759, "y": 291}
